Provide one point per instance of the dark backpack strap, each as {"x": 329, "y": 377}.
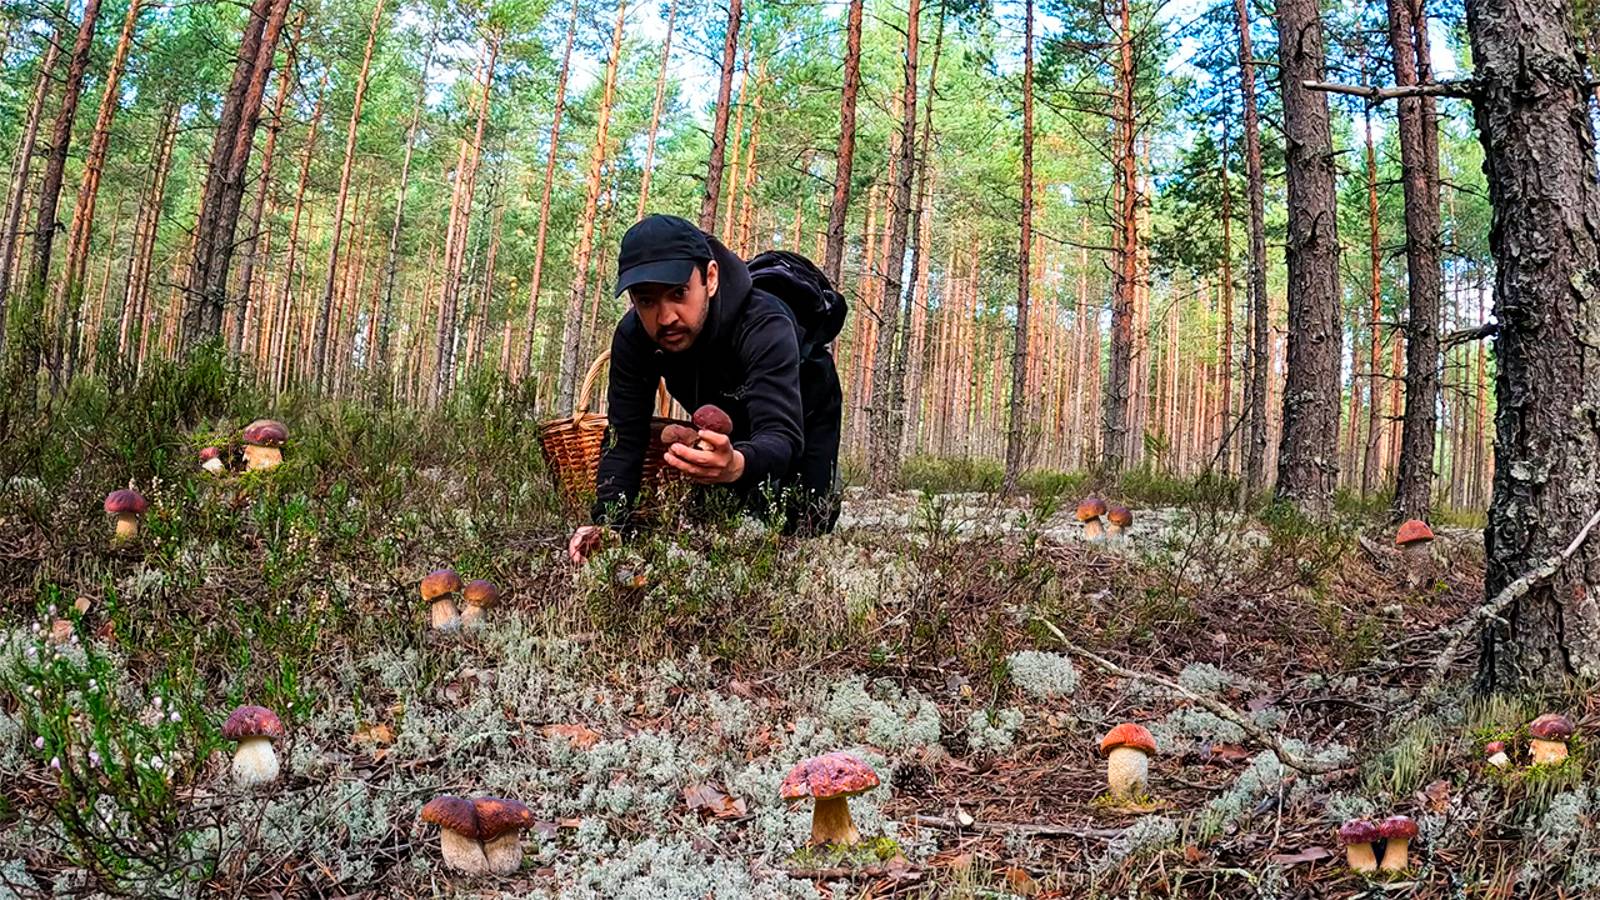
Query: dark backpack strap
{"x": 818, "y": 308}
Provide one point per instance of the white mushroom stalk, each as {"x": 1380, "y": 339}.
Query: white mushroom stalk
{"x": 1128, "y": 772}
{"x": 255, "y": 763}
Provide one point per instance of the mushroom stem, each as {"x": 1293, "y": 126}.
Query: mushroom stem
{"x": 1360, "y": 857}
{"x": 471, "y": 614}
{"x": 127, "y": 526}
{"x": 463, "y": 854}
{"x": 831, "y": 823}
{"x": 1396, "y": 855}
{"x": 254, "y": 762}
{"x": 213, "y": 465}
{"x": 1500, "y": 760}
{"x": 445, "y": 617}
{"x": 1092, "y": 530}
{"x": 504, "y": 853}
{"x": 1114, "y": 530}
{"x": 1128, "y": 772}
{"x": 1547, "y": 752}
{"x": 260, "y": 459}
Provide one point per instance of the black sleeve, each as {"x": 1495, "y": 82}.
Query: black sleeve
{"x": 771, "y": 357}
{"x": 630, "y": 400}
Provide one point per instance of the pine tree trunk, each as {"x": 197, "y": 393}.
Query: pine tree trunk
{"x": 1120, "y": 429}
{"x": 655, "y": 112}
{"x": 282, "y": 323}
{"x": 23, "y": 164}
{"x": 748, "y": 190}
{"x": 391, "y": 264}
{"x": 719, "y": 132}
{"x": 1021, "y": 406}
{"x": 1308, "y": 458}
{"x": 1260, "y": 309}
{"x": 572, "y": 328}
{"x": 319, "y": 352}
{"x": 1532, "y": 110}
{"x": 136, "y": 289}
{"x": 1375, "y": 422}
{"x": 838, "y": 211}
{"x": 1225, "y": 420}
{"x": 732, "y": 187}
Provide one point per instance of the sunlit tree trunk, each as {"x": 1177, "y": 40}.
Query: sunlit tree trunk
{"x": 1260, "y": 308}
{"x": 1021, "y": 407}
{"x": 282, "y": 324}
{"x": 1375, "y": 423}
{"x": 838, "y": 211}
{"x": 252, "y": 238}
{"x": 719, "y": 128}
{"x": 1119, "y": 427}
{"x": 22, "y": 166}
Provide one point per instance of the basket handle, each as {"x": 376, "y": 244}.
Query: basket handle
{"x": 663, "y": 399}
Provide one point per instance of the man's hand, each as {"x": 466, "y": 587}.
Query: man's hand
{"x": 585, "y": 541}
{"x": 719, "y": 463}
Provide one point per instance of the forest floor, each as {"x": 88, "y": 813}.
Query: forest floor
{"x": 647, "y": 705}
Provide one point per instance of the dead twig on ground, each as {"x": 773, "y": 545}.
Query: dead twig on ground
{"x": 1031, "y": 829}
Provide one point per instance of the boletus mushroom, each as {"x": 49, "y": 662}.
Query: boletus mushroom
{"x": 254, "y": 728}
{"x": 263, "y": 444}
{"x": 127, "y": 505}
{"x": 478, "y": 595}
{"x": 1398, "y": 832}
{"x": 1547, "y": 739}
{"x": 1358, "y": 836}
{"x": 830, "y": 779}
{"x": 211, "y": 460}
{"x": 1118, "y": 520}
{"x": 1494, "y": 754}
{"x": 500, "y": 826}
{"x": 439, "y": 588}
{"x": 679, "y": 434}
{"x": 1089, "y": 512}
{"x": 479, "y": 837}
{"x": 1127, "y": 749}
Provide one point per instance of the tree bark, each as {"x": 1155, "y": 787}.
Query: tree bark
{"x": 844, "y": 163}
{"x": 9, "y": 232}
{"x": 391, "y": 264}
{"x": 136, "y": 290}
{"x": 1225, "y": 421}
{"x": 1375, "y": 422}
{"x": 1308, "y": 456}
{"x": 655, "y": 112}
{"x": 905, "y": 415}
{"x": 1256, "y": 388}
{"x": 279, "y": 339}
{"x": 1419, "y": 157}
{"x": 1120, "y": 383}
{"x": 1021, "y": 406}
{"x": 1532, "y": 112}
{"x": 719, "y": 129}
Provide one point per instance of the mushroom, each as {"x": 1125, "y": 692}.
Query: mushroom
{"x": 211, "y": 460}
{"x": 1548, "y": 736}
{"x": 479, "y": 837}
{"x": 712, "y": 418}
{"x": 127, "y": 505}
{"x": 1358, "y": 836}
{"x": 1120, "y": 519}
{"x": 1495, "y": 751}
{"x": 830, "y": 779}
{"x": 1128, "y": 748}
{"x": 479, "y": 595}
{"x": 263, "y": 444}
{"x": 1413, "y": 538}
{"x": 255, "y": 728}
{"x": 1398, "y": 832}
{"x": 437, "y": 589}
{"x": 1089, "y": 513}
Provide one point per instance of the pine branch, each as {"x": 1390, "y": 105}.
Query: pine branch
{"x": 1374, "y": 94}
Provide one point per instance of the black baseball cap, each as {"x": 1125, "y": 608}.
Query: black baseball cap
{"x": 660, "y": 249}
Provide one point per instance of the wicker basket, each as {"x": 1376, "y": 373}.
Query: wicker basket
{"x": 572, "y": 447}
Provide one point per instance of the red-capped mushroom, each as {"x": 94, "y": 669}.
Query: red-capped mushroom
{"x": 1358, "y": 836}
{"x": 1118, "y": 520}
{"x": 1547, "y": 739}
{"x": 263, "y": 444}
{"x": 211, "y": 460}
{"x": 710, "y": 418}
{"x": 1413, "y": 537}
{"x": 127, "y": 505}
{"x": 1495, "y": 754}
{"x": 830, "y": 779}
{"x": 1398, "y": 832}
{"x": 478, "y": 596}
{"x": 255, "y": 728}
{"x": 1089, "y": 512}
{"x": 1127, "y": 749}
{"x": 439, "y": 588}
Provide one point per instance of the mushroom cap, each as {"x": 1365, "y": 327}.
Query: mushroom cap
{"x": 829, "y": 775}
{"x": 1091, "y": 508}
{"x": 1121, "y": 516}
{"x": 266, "y": 433}
{"x": 497, "y": 815}
{"x": 1494, "y": 747}
{"x": 1128, "y": 734}
{"x": 1398, "y": 827}
{"x": 207, "y": 454}
{"x": 454, "y": 813}
{"x": 1551, "y": 727}
{"x": 712, "y": 418}
{"x": 480, "y": 593}
{"x": 252, "y": 722}
{"x": 440, "y": 582}
{"x": 1359, "y": 831}
{"x": 126, "y": 500}
{"x": 1413, "y": 531}
{"x": 679, "y": 434}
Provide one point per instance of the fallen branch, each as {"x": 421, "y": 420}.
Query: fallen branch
{"x": 1375, "y": 95}
{"x": 1031, "y": 829}
{"x": 1507, "y": 596}
{"x": 1256, "y": 732}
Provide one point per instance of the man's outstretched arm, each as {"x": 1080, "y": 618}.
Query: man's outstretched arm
{"x": 630, "y": 400}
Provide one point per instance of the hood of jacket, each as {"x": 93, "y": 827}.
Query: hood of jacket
{"x": 733, "y": 291}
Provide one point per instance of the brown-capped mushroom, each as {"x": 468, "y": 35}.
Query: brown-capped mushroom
{"x": 439, "y": 588}
{"x": 263, "y": 444}
{"x": 1089, "y": 513}
{"x": 1358, "y": 836}
{"x": 211, "y": 460}
{"x": 127, "y": 505}
{"x": 830, "y": 780}
{"x": 1127, "y": 749}
{"x": 457, "y": 819}
{"x": 500, "y": 826}
{"x": 1495, "y": 754}
{"x": 1547, "y": 739}
{"x": 254, "y": 728}
{"x": 1118, "y": 520}
{"x": 711, "y": 418}
{"x": 478, "y": 595}
{"x": 679, "y": 434}
{"x": 1398, "y": 832}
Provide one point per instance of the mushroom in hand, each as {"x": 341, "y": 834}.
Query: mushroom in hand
{"x": 830, "y": 779}
{"x": 1089, "y": 513}
{"x": 1398, "y": 832}
{"x": 438, "y": 588}
{"x": 263, "y": 444}
{"x": 1358, "y": 836}
{"x": 1547, "y": 739}
{"x": 255, "y": 728}
{"x": 479, "y": 595}
{"x": 127, "y": 505}
{"x": 679, "y": 434}
{"x": 1119, "y": 519}
{"x": 1128, "y": 748}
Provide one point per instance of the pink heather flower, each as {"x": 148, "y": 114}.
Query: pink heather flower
{"x": 38, "y": 742}
{"x": 55, "y": 763}
{"x": 175, "y": 717}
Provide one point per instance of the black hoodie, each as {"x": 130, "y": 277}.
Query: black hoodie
{"x": 746, "y": 360}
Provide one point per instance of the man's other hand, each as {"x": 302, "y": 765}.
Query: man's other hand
{"x": 585, "y": 541}
{"x": 719, "y": 463}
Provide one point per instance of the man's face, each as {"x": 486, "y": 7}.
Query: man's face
{"x": 674, "y": 314}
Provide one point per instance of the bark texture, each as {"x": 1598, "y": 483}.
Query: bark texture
{"x": 838, "y": 211}
{"x": 1255, "y": 450}
{"x": 719, "y": 126}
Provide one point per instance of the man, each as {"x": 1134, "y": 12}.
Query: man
{"x": 697, "y": 319}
